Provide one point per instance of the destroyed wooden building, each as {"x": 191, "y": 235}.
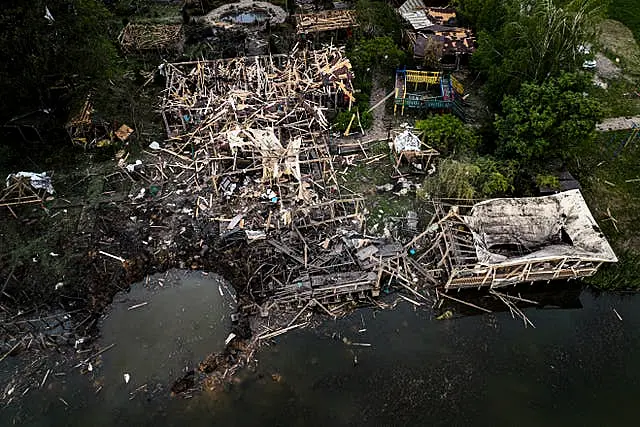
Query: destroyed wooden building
{"x": 147, "y": 37}
{"x": 428, "y": 91}
{"x": 408, "y": 147}
{"x": 502, "y": 242}
{"x": 326, "y": 20}
{"x": 252, "y": 133}
{"x": 434, "y": 37}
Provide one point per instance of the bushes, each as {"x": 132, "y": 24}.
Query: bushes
{"x": 75, "y": 50}
{"x": 483, "y": 177}
{"x": 546, "y": 120}
{"x": 447, "y": 134}
{"x": 343, "y": 118}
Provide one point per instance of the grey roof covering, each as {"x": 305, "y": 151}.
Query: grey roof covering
{"x": 548, "y": 227}
{"x": 415, "y": 13}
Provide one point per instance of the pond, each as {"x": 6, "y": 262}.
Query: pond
{"x": 246, "y": 17}
{"x": 577, "y": 367}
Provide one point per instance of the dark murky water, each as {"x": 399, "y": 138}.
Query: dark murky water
{"x": 576, "y": 368}
{"x": 246, "y": 17}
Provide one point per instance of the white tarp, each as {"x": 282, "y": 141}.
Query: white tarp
{"x": 39, "y": 181}
{"x": 406, "y": 141}
{"x": 538, "y": 223}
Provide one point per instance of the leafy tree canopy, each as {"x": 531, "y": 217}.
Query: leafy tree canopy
{"x": 378, "y": 52}
{"x": 544, "y": 120}
{"x": 530, "y": 40}
{"x": 378, "y": 19}
{"x": 72, "y": 48}
{"x": 447, "y": 134}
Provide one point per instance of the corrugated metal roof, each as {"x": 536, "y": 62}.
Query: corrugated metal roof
{"x": 413, "y": 11}
{"x": 411, "y": 5}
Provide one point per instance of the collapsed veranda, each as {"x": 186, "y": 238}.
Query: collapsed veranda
{"x": 503, "y": 242}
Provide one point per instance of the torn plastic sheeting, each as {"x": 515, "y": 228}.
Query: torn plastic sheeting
{"x": 38, "y": 181}
{"x": 406, "y": 141}
{"x": 48, "y": 16}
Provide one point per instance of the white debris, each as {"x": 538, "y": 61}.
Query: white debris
{"x": 132, "y": 166}
{"x": 229, "y": 338}
{"x": 39, "y": 181}
{"x": 127, "y": 377}
{"x": 406, "y": 141}
{"x": 48, "y": 16}
{"x": 59, "y": 285}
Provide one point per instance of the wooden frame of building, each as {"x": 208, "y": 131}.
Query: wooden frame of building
{"x": 327, "y": 20}
{"x": 141, "y": 37}
{"x": 503, "y": 242}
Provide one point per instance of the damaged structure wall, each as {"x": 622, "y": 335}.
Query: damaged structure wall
{"x": 507, "y": 241}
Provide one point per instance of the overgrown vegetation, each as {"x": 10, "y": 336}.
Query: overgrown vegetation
{"x": 528, "y": 40}
{"x": 543, "y": 121}
{"x": 73, "y": 49}
{"x": 627, "y": 12}
{"x": 448, "y": 135}
{"x": 609, "y": 172}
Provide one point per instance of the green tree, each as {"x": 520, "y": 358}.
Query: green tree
{"x": 454, "y": 180}
{"x": 73, "y": 49}
{"x": 496, "y": 177}
{"x": 546, "y": 120}
{"x": 536, "y": 40}
{"x": 486, "y": 15}
{"x": 375, "y": 53}
{"x": 378, "y": 19}
{"x": 447, "y": 134}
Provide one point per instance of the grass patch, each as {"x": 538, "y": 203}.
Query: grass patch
{"x": 619, "y": 99}
{"x": 607, "y": 171}
{"x": 363, "y": 179}
{"x": 618, "y": 41}
{"x": 627, "y": 12}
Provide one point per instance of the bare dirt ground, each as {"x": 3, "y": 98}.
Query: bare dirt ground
{"x": 618, "y": 123}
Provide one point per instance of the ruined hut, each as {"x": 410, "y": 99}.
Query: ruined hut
{"x": 434, "y": 37}
{"x": 408, "y": 147}
{"x": 502, "y": 242}
{"x": 326, "y": 20}
{"x": 146, "y": 37}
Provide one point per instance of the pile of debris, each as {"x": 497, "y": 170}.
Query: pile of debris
{"x": 326, "y": 20}
{"x": 433, "y": 32}
{"x": 142, "y": 37}
{"x": 248, "y": 145}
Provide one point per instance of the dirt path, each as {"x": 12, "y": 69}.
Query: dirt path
{"x": 618, "y": 123}
{"x": 381, "y": 122}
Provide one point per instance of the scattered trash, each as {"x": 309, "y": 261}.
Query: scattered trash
{"x": 617, "y": 314}
{"x": 127, "y": 377}
{"x": 59, "y": 285}
{"x": 132, "y": 166}
{"x": 48, "y": 16}
{"x": 133, "y": 307}
{"x": 446, "y": 315}
{"x": 38, "y": 181}
{"x": 229, "y": 338}
{"x": 123, "y": 133}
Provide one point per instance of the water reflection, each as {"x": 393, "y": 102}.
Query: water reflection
{"x": 577, "y": 367}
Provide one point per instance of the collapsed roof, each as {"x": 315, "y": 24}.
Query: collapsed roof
{"x": 508, "y": 241}
{"x": 434, "y": 28}
{"x": 536, "y": 228}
